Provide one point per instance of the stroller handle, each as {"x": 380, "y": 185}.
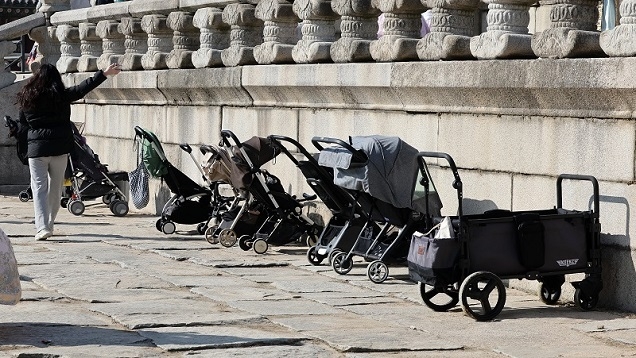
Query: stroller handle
{"x": 580, "y": 178}
{"x": 206, "y": 149}
{"x": 276, "y": 141}
{"x": 457, "y": 183}
{"x": 186, "y": 147}
{"x": 142, "y": 133}
{"x": 358, "y": 155}
{"x": 225, "y": 134}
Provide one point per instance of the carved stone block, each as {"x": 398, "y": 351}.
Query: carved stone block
{"x": 112, "y": 43}
{"x": 69, "y": 47}
{"x": 246, "y": 32}
{"x": 318, "y": 31}
{"x": 159, "y": 41}
{"x": 451, "y": 28}
{"x": 214, "y": 37}
{"x": 621, "y": 40}
{"x": 135, "y": 43}
{"x": 279, "y": 32}
{"x": 90, "y": 47}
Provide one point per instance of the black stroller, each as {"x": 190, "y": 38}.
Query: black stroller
{"x": 543, "y": 245}
{"x": 284, "y": 220}
{"x": 190, "y": 203}
{"x": 382, "y": 174}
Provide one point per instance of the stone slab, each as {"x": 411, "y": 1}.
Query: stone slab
{"x": 22, "y": 26}
{"x": 305, "y": 350}
{"x": 295, "y": 306}
{"x": 48, "y": 313}
{"x": 244, "y": 293}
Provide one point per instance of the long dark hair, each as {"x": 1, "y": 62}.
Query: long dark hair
{"x": 45, "y": 84}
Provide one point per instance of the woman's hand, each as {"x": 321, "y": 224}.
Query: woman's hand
{"x": 113, "y": 69}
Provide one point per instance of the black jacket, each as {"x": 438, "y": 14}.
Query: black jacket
{"x": 49, "y": 123}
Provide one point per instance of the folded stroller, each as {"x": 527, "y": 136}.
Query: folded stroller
{"x": 387, "y": 186}
{"x": 284, "y": 221}
{"x": 190, "y": 203}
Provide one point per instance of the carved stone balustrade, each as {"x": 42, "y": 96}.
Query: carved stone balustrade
{"x": 70, "y": 52}
{"x": 358, "y": 28}
{"x": 402, "y": 23}
{"x": 135, "y": 43}
{"x": 159, "y": 41}
{"x": 185, "y": 40}
{"x": 90, "y": 47}
{"x": 246, "y": 32}
{"x": 452, "y": 27}
{"x": 507, "y": 33}
{"x": 621, "y": 40}
{"x": 572, "y": 31}
{"x": 50, "y": 6}
{"x": 214, "y": 37}
{"x": 48, "y": 45}
{"x": 112, "y": 43}
{"x": 318, "y": 31}
{"x": 279, "y": 32}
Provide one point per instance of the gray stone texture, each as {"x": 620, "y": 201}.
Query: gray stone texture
{"x": 21, "y": 26}
{"x": 402, "y": 23}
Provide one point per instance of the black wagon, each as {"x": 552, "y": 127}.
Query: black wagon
{"x": 542, "y": 245}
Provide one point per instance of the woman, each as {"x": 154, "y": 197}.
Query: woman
{"x": 45, "y": 109}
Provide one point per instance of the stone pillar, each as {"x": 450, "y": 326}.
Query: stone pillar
{"x": 48, "y": 45}
{"x": 214, "y": 37}
{"x": 185, "y": 39}
{"x": 69, "y": 48}
{"x": 246, "y": 32}
{"x": 452, "y": 26}
{"x": 159, "y": 41}
{"x": 621, "y": 40}
{"x": 358, "y": 28}
{"x": 112, "y": 43}
{"x": 135, "y": 43}
{"x": 90, "y": 47}
{"x": 507, "y": 33}
{"x": 318, "y": 31}
{"x": 50, "y": 6}
{"x": 572, "y": 31}
{"x": 279, "y": 32}
{"x": 402, "y": 24}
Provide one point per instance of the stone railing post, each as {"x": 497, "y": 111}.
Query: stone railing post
{"x": 246, "y": 32}
{"x": 402, "y": 25}
{"x": 112, "y": 43}
{"x": 159, "y": 41}
{"x": 90, "y": 47}
{"x": 279, "y": 32}
{"x": 48, "y": 45}
{"x": 214, "y": 37}
{"x": 621, "y": 40}
{"x": 358, "y": 28}
{"x": 69, "y": 48}
{"x": 135, "y": 43}
{"x": 452, "y": 27}
{"x": 318, "y": 31}
{"x": 507, "y": 33}
{"x": 185, "y": 39}
{"x": 572, "y": 31}
{"x": 50, "y": 6}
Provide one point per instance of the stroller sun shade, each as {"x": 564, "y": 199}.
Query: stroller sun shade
{"x": 259, "y": 151}
{"x": 217, "y": 167}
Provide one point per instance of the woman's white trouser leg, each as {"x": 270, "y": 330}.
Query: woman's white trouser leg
{"x": 47, "y": 176}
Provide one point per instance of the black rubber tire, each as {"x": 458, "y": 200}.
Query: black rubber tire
{"x": 313, "y": 257}
{"x": 549, "y": 295}
{"x": 201, "y": 227}
{"x": 245, "y": 242}
{"x": 478, "y": 286}
{"x": 585, "y": 302}
{"x": 340, "y": 264}
{"x": 428, "y": 294}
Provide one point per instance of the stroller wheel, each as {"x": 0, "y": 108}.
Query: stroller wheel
{"x": 159, "y": 224}
{"x": 431, "y": 297}
{"x": 333, "y": 253}
{"x": 107, "y": 199}
{"x": 377, "y": 271}
{"x": 341, "y": 263}
{"x": 201, "y": 228}
{"x": 584, "y": 301}
{"x": 24, "y": 196}
{"x": 209, "y": 235}
{"x": 64, "y": 202}
{"x": 483, "y": 295}
{"x": 244, "y": 242}
{"x": 313, "y": 257}
{"x": 549, "y": 294}
{"x": 168, "y": 228}
{"x": 76, "y": 207}
{"x": 227, "y": 237}
{"x": 260, "y": 246}
{"x": 118, "y": 207}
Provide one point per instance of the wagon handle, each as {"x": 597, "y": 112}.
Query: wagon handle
{"x": 358, "y": 155}
{"x": 225, "y": 134}
{"x": 457, "y": 184}
{"x": 578, "y": 177}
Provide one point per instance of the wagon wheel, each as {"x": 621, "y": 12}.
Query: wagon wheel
{"x": 313, "y": 257}
{"x": 479, "y": 291}
{"x": 550, "y": 294}
{"x": 584, "y": 301}
{"x": 439, "y": 299}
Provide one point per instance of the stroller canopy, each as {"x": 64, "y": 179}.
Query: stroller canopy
{"x": 391, "y": 173}
{"x": 217, "y": 166}
{"x": 259, "y": 151}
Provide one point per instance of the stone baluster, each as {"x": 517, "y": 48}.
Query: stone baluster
{"x": 48, "y": 45}
{"x": 69, "y": 48}
{"x": 112, "y": 43}
{"x": 90, "y": 47}
{"x": 358, "y": 28}
{"x": 246, "y": 32}
{"x": 572, "y": 31}
{"x": 50, "y": 6}
{"x": 402, "y": 25}
{"x": 318, "y": 31}
{"x": 452, "y": 26}
{"x": 159, "y": 41}
{"x": 507, "y": 33}
{"x": 279, "y": 32}
{"x": 185, "y": 39}
{"x": 621, "y": 40}
{"x": 214, "y": 37}
{"x": 135, "y": 42}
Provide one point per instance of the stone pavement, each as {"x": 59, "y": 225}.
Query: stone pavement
{"x": 107, "y": 286}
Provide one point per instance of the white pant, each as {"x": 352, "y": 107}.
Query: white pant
{"x": 47, "y": 176}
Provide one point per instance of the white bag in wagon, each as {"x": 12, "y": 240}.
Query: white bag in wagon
{"x": 434, "y": 255}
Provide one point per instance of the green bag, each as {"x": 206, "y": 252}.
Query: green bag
{"x": 151, "y": 158}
